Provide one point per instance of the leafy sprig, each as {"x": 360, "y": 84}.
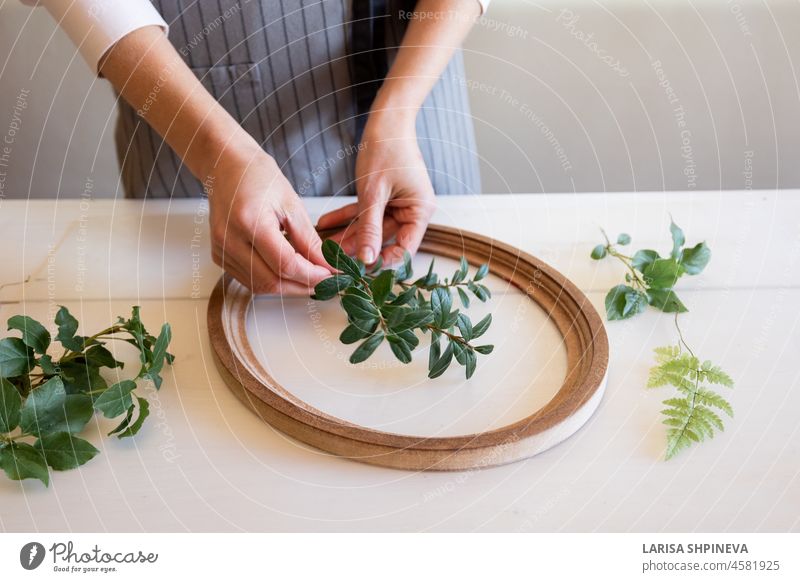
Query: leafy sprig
{"x": 694, "y": 416}
{"x": 650, "y": 278}
{"x": 386, "y": 304}
{"x": 45, "y": 402}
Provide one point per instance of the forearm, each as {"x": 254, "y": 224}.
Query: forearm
{"x": 427, "y": 47}
{"x": 149, "y": 74}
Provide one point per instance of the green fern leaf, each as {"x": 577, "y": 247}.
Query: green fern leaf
{"x": 690, "y": 419}
{"x": 666, "y": 353}
{"x": 707, "y": 415}
{"x": 715, "y": 375}
{"x": 709, "y": 398}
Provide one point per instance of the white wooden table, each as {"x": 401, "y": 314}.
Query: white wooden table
{"x": 203, "y": 462}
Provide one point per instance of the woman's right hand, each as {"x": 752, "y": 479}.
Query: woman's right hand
{"x": 260, "y": 231}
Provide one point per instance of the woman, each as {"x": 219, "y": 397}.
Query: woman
{"x": 259, "y": 102}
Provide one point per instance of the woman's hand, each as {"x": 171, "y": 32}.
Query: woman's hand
{"x": 395, "y": 195}
{"x": 260, "y": 231}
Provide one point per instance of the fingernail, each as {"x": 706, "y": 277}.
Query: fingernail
{"x": 367, "y": 255}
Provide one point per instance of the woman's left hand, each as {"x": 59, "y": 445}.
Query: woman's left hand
{"x": 395, "y": 195}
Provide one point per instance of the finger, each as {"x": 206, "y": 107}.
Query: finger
{"x": 257, "y": 276}
{"x": 282, "y": 258}
{"x": 348, "y": 238}
{"x": 304, "y": 237}
{"x": 339, "y": 217}
{"x": 370, "y": 227}
{"x": 408, "y": 238}
{"x": 277, "y": 287}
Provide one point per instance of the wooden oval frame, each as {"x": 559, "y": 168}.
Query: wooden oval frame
{"x": 578, "y": 322}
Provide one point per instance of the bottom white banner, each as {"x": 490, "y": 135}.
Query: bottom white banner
{"x": 118, "y": 557}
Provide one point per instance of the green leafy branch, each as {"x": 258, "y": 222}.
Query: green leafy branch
{"x": 650, "y": 278}
{"x": 384, "y": 304}
{"x": 45, "y": 402}
{"x": 690, "y": 418}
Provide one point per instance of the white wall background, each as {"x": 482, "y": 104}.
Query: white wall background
{"x": 551, "y": 113}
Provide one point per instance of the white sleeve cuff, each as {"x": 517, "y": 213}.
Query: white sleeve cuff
{"x": 95, "y": 25}
{"x": 484, "y": 5}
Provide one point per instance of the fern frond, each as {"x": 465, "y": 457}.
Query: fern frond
{"x": 715, "y": 375}
{"x": 709, "y": 398}
{"x": 705, "y": 414}
{"x": 690, "y": 419}
{"x": 666, "y": 353}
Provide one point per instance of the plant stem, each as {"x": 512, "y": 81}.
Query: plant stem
{"x": 626, "y": 260}
{"x": 682, "y": 340}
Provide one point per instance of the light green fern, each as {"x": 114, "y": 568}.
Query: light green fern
{"x": 692, "y": 416}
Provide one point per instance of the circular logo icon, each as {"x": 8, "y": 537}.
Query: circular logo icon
{"x": 31, "y": 555}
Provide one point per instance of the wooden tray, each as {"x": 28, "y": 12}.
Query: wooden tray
{"x": 581, "y": 327}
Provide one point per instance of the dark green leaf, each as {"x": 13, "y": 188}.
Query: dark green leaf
{"x": 624, "y": 239}
{"x": 414, "y": 319}
{"x": 405, "y": 271}
{"x": 410, "y": 338}
{"x": 405, "y": 296}
{"x": 366, "y": 349}
{"x": 99, "y": 356}
{"x": 441, "y": 302}
{"x": 635, "y": 303}
{"x": 125, "y": 421}
{"x": 116, "y": 400}
{"x": 461, "y": 273}
{"x": 22, "y": 461}
{"x": 464, "y": 297}
{"x": 442, "y": 363}
{"x": 338, "y": 259}
{"x": 81, "y": 377}
{"x": 459, "y": 351}
{"x": 47, "y": 365}
{"x": 50, "y": 409}
{"x": 598, "y": 252}
{"x": 464, "y": 326}
{"x": 381, "y": 286}
{"x": 400, "y": 349}
{"x": 485, "y": 350}
{"x": 159, "y": 354}
{"x": 662, "y": 273}
{"x": 695, "y": 259}
{"x": 641, "y": 259}
{"x": 34, "y": 333}
{"x": 134, "y": 427}
{"x": 330, "y": 287}
{"x": 357, "y": 330}
{"x": 63, "y": 451}
{"x": 678, "y": 239}
{"x": 394, "y": 314}
{"x": 666, "y": 300}
{"x": 67, "y": 326}
{"x": 480, "y": 328}
{"x": 623, "y": 302}
{"x": 480, "y": 291}
{"x": 429, "y": 279}
{"x": 359, "y": 308}
{"x": 435, "y": 351}
{"x": 15, "y": 357}
{"x": 10, "y": 405}
{"x": 472, "y": 361}
{"x": 450, "y": 321}
{"x": 482, "y": 271}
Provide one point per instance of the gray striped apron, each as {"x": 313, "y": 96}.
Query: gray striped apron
{"x": 281, "y": 69}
